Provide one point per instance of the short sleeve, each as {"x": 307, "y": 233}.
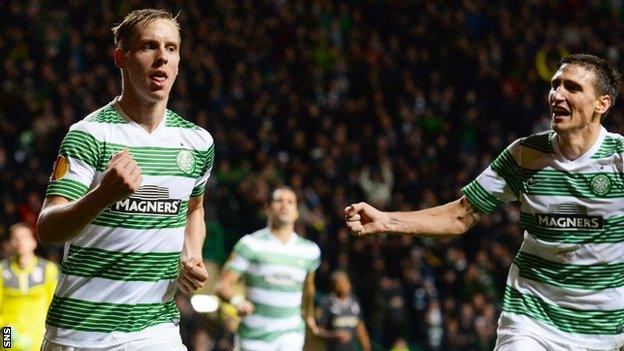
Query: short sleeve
{"x": 75, "y": 165}
{"x": 499, "y": 183}
{"x": 206, "y": 162}
{"x": 241, "y": 257}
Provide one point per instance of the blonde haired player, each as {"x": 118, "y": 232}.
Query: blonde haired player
{"x": 126, "y": 198}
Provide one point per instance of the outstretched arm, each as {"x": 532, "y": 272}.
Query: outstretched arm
{"x": 451, "y": 219}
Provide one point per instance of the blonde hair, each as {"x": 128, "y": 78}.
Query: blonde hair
{"x": 125, "y": 32}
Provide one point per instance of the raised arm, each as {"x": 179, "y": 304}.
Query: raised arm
{"x": 61, "y": 220}
{"x": 451, "y": 219}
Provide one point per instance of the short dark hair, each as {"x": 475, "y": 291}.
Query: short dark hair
{"x": 608, "y": 79}
{"x": 125, "y": 31}
{"x": 281, "y": 187}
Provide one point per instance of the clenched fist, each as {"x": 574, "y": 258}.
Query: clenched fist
{"x": 363, "y": 218}
{"x": 121, "y": 178}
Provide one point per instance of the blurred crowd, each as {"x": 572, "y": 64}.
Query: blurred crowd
{"x": 398, "y": 103}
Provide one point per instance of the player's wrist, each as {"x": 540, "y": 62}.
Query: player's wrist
{"x": 236, "y": 300}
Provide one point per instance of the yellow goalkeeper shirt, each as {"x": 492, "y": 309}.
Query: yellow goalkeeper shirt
{"x": 25, "y": 295}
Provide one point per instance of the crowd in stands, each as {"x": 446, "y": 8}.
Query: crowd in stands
{"x": 398, "y": 103}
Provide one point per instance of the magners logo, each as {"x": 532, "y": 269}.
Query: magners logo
{"x": 569, "y": 221}
{"x": 148, "y": 200}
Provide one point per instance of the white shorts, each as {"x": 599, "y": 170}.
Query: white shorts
{"x": 515, "y": 340}
{"x": 150, "y": 344}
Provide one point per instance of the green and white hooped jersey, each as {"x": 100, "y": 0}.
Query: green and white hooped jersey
{"x": 566, "y": 283}
{"x": 274, "y": 275}
{"x": 118, "y": 275}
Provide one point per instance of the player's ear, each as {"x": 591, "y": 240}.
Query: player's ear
{"x": 603, "y": 104}
{"x": 118, "y": 56}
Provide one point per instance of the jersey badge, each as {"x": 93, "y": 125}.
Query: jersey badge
{"x": 600, "y": 184}
{"x": 186, "y": 161}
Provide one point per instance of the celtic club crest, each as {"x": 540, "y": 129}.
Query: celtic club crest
{"x": 186, "y": 161}
{"x": 600, "y": 184}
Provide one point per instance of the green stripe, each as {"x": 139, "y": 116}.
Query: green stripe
{"x": 107, "y": 114}
{"x": 575, "y": 276}
{"x": 594, "y": 322}
{"x": 159, "y": 161}
{"x": 273, "y": 258}
{"x": 68, "y": 188}
{"x": 539, "y": 142}
{"x": 609, "y": 147}
{"x": 249, "y": 333}
{"x": 135, "y": 221}
{"x": 82, "y": 146}
{"x": 199, "y": 190}
{"x": 107, "y": 317}
{"x": 554, "y": 182}
{"x": 255, "y": 281}
{"x": 480, "y": 198}
{"x": 612, "y": 231}
{"x": 507, "y": 168}
{"x": 125, "y": 266}
{"x": 275, "y": 312}
{"x": 174, "y": 120}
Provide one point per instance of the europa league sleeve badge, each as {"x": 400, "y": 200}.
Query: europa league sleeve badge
{"x": 61, "y": 166}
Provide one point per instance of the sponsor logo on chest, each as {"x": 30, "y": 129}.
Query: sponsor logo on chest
{"x": 149, "y": 200}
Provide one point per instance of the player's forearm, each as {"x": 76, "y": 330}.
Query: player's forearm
{"x": 60, "y": 222}
{"x": 195, "y": 233}
{"x": 363, "y": 337}
{"x": 451, "y": 219}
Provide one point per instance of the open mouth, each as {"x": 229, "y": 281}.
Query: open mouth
{"x": 560, "y": 112}
{"x": 158, "y": 77}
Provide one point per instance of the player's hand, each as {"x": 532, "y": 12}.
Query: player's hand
{"x": 362, "y": 218}
{"x": 193, "y": 275}
{"x": 311, "y": 323}
{"x": 244, "y": 307}
{"x": 343, "y": 336}
{"x": 121, "y": 178}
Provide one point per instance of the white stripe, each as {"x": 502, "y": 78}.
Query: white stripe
{"x": 105, "y": 290}
{"x": 105, "y": 341}
{"x": 268, "y": 269}
{"x": 270, "y": 324}
{"x": 286, "y": 342}
{"x": 274, "y": 298}
{"x": 606, "y": 299}
{"x": 131, "y": 240}
{"x": 604, "y": 207}
{"x": 583, "y": 254}
{"x": 308, "y": 252}
{"x": 521, "y": 324}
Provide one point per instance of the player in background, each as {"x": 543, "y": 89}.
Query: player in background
{"x": 126, "y": 198}
{"x": 26, "y": 288}
{"x": 340, "y": 319}
{"x": 277, "y": 267}
{"x": 565, "y": 289}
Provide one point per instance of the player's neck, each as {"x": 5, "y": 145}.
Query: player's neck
{"x": 23, "y": 261}
{"x": 283, "y": 232}
{"x": 145, "y": 113}
{"x": 573, "y": 144}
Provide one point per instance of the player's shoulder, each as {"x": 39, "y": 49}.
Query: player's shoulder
{"x": 308, "y": 245}
{"x": 612, "y": 143}
{"x": 252, "y": 240}
{"x": 174, "y": 120}
{"x": 542, "y": 142}
{"x": 92, "y": 123}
